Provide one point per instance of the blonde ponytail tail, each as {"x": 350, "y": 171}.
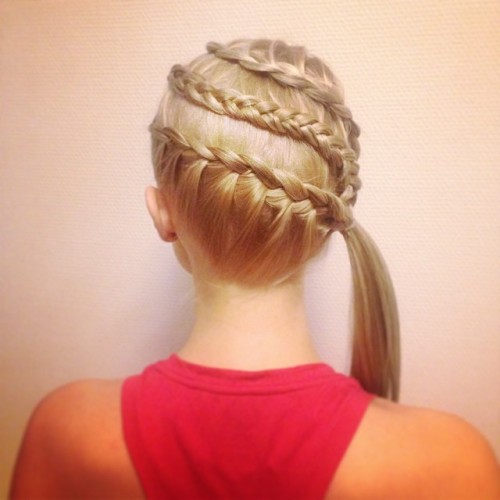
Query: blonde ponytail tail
{"x": 376, "y": 350}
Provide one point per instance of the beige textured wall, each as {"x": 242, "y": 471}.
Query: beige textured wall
{"x": 88, "y": 291}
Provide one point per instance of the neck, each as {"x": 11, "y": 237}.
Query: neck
{"x": 250, "y": 328}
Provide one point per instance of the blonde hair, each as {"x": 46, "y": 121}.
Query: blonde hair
{"x": 256, "y": 149}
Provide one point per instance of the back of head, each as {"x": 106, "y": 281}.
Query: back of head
{"x": 257, "y": 153}
{"x": 257, "y": 157}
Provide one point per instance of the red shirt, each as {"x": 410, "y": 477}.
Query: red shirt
{"x": 195, "y": 432}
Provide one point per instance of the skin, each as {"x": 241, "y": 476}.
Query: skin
{"x": 73, "y": 446}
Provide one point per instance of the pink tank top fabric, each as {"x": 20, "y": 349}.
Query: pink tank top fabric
{"x": 196, "y": 432}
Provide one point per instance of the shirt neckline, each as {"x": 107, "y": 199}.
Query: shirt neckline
{"x": 248, "y": 381}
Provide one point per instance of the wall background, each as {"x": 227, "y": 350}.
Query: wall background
{"x": 87, "y": 289}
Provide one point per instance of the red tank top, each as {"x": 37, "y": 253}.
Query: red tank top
{"x": 195, "y": 432}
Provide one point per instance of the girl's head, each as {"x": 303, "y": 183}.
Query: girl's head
{"x": 256, "y": 155}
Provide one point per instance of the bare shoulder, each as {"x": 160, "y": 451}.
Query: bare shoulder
{"x": 73, "y": 446}
{"x": 414, "y": 453}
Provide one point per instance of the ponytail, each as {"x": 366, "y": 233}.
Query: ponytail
{"x": 375, "y": 350}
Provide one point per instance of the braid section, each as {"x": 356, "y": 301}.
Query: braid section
{"x": 267, "y": 115}
{"x": 335, "y": 210}
{"x": 288, "y": 75}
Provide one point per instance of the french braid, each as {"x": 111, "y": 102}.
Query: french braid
{"x": 337, "y": 210}
{"x": 289, "y": 76}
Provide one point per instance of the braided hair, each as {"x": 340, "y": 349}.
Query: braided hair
{"x": 258, "y": 153}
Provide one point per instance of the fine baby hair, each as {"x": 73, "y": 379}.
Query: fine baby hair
{"x": 257, "y": 154}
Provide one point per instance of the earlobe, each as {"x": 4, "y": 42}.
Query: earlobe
{"x": 160, "y": 214}
{"x": 170, "y": 237}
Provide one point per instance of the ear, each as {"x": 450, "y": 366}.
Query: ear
{"x": 160, "y": 213}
